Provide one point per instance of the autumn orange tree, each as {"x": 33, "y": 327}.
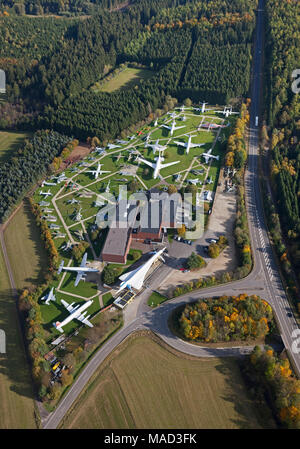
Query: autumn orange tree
{"x": 226, "y": 318}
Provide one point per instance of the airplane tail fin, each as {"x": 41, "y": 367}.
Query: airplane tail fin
{"x": 61, "y": 267}
{"x": 56, "y": 324}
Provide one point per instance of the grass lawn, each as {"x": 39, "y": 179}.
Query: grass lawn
{"x": 107, "y": 299}
{"x": 25, "y": 249}
{"x": 10, "y": 142}
{"x": 129, "y": 77}
{"x": 145, "y": 385}
{"x": 155, "y": 299}
{"x": 16, "y": 395}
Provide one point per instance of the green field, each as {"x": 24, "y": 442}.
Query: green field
{"x": 16, "y": 395}
{"x": 10, "y": 142}
{"x": 25, "y": 249}
{"x": 129, "y": 77}
{"x": 145, "y": 385}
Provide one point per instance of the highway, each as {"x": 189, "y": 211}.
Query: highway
{"x": 264, "y": 280}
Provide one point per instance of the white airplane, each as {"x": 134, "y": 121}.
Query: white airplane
{"x": 135, "y": 279}
{"x": 62, "y": 177}
{"x": 148, "y": 137}
{"x": 207, "y": 156}
{"x": 107, "y": 189}
{"x": 112, "y": 146}
{"x": 158, "y": 165}
{"x": 183, "y": 108}
{"x": 79, "y": 234}
{"x": 54, "y": 226}
{"x": 67, "y": 246}
{"x": 81, "y": 271}
{"x": 75, "y": 312}
{"x": 73, "y": 201}
{"x": 227, "y": 111}
{"x": 45, "y": 183}
{"x": 156, "y": 122}
{"x": 46, "y": 194}
{"x": 60, "y": 235}
{"x": 122, "y": 142}
{"x": 77, "y": 215}
{"x": 156, "y": 146}
{"x": 51, "y": 218}
{"x": 100, "y": 150}
{"x": 188, "y": 145}
{"x": 178, "y": 177}
{"x": 173, "y": 115}
{"x": 203, "y": 108}
{"x": 49, "y": 297}
{"x": 98, "y": 171}
{"x": 48, "y": 210}
{"x": 173, "y": 127}
{"x": 194, "y": 181}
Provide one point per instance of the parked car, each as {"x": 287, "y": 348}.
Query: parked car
{"x": 213, "y": 241}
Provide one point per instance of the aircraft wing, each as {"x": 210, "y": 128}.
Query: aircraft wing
{"x": 78, "y": 278}
{"x": 166, "y": 126}
{"x": 68, "y": 306}
{"x": 84, "y": 259}
{"x": 84, "y": 319}
{"x": 169, "y": 165}
{"x": 195, "y": 145}
{"x": 183, "y": 144}
{"x": 179, "y": 127}
{"x": 147, "y": 162}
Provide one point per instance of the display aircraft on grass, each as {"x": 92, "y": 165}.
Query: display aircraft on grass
{"x": 194, "y": 182}
{"x": 173, "y": 127}
{"x": 49, "y": 297}
{"x": 158, "y": 165}
{"x": 46, "y": 194}
{"x": 188, "y": 145}
{"x": 112, "y": 146}
{"x": 227, "y": 111}
{"x": 207, "y": 156}
{"x": 98, "y": 171}
{"x": 81, "y": 271}
{"x": 183, "y": 108}
{"x": 75, "y": 313}
{"x": 156, "y": 146}
{"x": 203, "y": 108}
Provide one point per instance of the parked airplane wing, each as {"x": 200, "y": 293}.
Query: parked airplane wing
{"x": 78, "y": 278}
{"x": 169, "y": 164}
{"x": 195, "y": 145}
{"x": 68, "y": 306}
{"x": 147, "y": 163}
{"x": 84, "y": 259}
{"x": 183, "y": 144}
{"x": 84, "y": 319}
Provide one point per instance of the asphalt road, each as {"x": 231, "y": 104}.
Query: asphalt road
{"x": 264, "y": 279}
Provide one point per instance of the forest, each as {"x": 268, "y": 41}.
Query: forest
{"x": 270, "y": 377}
{"x": 283, "y": 116}
{"x": 26, "y": 167}
{"x": 227, "y": 318}
{"x": 52, "y": 88}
